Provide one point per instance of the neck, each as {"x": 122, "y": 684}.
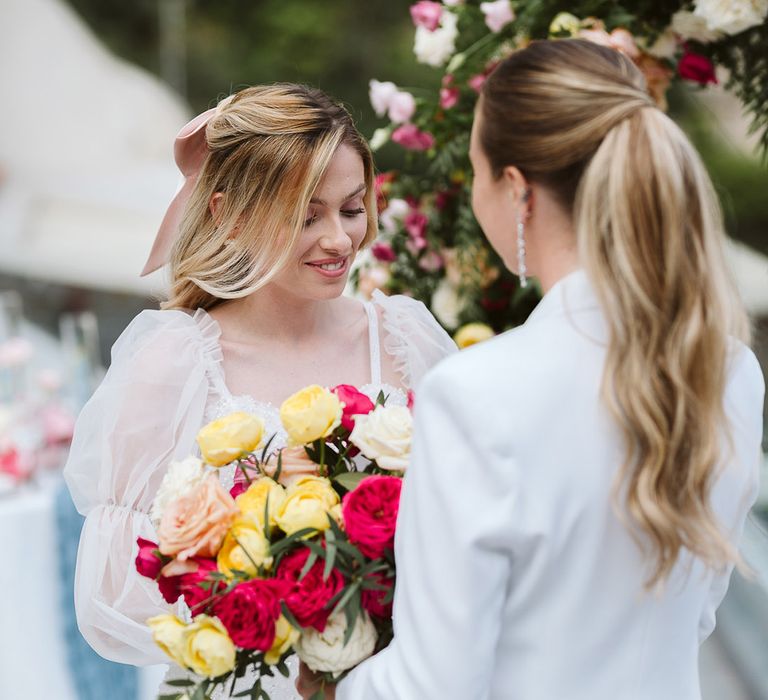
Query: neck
{"x": 284, "y": 316}
{"x": 557, "y": 254}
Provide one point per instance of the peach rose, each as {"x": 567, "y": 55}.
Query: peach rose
{"x": 195, "y": 524}
{"x": 294, "y": 464}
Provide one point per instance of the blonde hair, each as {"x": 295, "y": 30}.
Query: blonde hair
{"x": 268, "y": 148}
{"x": 576, "y": 118}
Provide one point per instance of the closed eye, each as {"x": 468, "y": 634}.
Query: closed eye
{"x": 353, "y": 212}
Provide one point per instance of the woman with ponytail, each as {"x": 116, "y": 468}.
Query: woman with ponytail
{"x": 578, "y": 487}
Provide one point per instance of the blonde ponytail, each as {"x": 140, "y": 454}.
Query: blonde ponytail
{"x": 576, "y": 118}
{"x": 650, "y": 232}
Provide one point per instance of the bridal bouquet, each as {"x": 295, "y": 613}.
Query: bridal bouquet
{"x": 431, "y": 247}
{"x": 296, "y": 558}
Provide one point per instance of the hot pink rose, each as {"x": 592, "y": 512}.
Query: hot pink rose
{"x": 411, "y": 399}
{"x": 411, "y": 137}
{"x": 184, "y": 578}
{"x": 249, "y": 612}
{"x": 698, "y": 68}
{"x": 383, "y": 251}
{"x": 427, "y": 14}
{"x": 370, "y": 514}
{"x": 372, "y": 600}
{"x": 240, "y": 486}
{"x": 416, "y": 223}
{"x": 449, "y": 97}
{"x": 476, "y": 82}
{"x": 308, "y": 599}
{"x": 149, "y": 561}
{"x": 355, "y": 404}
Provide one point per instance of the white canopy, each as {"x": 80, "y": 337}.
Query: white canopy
{"x": 86, "y": 165}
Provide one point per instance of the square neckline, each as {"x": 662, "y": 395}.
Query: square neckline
{"x": 203, "y": 318}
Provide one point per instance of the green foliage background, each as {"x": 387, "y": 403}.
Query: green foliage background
{"x": 339, "y": 45}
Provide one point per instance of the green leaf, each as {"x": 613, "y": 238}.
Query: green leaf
{"x": 181, "y": 683}
{"x": 289, "y": 616}
{"x": 311, "y": 559}
{"x": 264, "y": 452}
{"x": 351, "y": 591}
{"x": 350, "y": 480}
{"x": 330, "y": 556}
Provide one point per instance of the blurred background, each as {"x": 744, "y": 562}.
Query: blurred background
{"x": 93, "y": 93}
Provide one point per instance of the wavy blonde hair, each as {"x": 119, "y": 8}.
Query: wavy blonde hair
{"x": 577, "y": 118}
{"x": 268, "y": 148}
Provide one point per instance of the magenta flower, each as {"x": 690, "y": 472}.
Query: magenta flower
{"x": 409, "y": 136}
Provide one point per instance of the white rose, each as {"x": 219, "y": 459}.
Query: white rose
{"x": 179, "y": 480}
{"x": 435, "y": 48}
{"x": 446, "y": 304}
{"x": 731, "y": 16}
{"x": 325, "y": 652}
{"x": 688, "y": 26}
{"x": 396, "y": 210}
{"x": 385, "y": 435}
{"x": 371, "y": 278}
{"x": 665, "y": 45}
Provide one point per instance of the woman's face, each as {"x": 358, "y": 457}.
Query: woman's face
{"x": 492, "y": 201}
{"x": 334, "y": 229}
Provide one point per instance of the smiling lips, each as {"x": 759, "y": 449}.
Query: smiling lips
{"x": 332, "y": 267}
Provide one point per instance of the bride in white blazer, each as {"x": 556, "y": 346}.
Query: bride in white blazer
{"x": 578, "y": 486}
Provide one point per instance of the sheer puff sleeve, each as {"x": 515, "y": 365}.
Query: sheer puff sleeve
{"x": 412, "y": 337}
{"x": 146, "y": 412}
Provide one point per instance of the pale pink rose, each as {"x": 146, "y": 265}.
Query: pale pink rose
{"x": 596, "y": 36}
{"x": 414, "y": 139}
{"x": 394, "y": 213}
{"x": 415, "y": 245}
{"x": 498, "y": 14}
{"x": 427, "y": 14}
{"x": 381, "y": 94}
{"x": 402, "y": 106}
{"x": 623, "y": 41}
{"x": 294, "y": 465}
{"x": 431, "y": 261}
{"x": 195, "y": 524}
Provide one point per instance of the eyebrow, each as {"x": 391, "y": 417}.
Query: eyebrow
{"x": 360, "y": 188}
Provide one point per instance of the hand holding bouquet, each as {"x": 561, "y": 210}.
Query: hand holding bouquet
{"x": 298, "y": 558}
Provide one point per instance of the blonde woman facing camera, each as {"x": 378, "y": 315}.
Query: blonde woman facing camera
{"x": 607, "y": 451}
{"x": 278, "y": 200}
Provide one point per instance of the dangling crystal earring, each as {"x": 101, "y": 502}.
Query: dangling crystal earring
{"x": 521, "y": 269}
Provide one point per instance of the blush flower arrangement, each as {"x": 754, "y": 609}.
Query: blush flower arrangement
{"x": 431, "y": 246}
{"x": 296, "y": 559}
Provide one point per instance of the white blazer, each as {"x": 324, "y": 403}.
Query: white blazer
{"x": 516, "y": 580}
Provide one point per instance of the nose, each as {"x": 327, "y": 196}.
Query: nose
{"x": 335, "y": 239}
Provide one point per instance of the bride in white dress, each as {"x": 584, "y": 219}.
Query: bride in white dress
{"x": 277, "y": 201}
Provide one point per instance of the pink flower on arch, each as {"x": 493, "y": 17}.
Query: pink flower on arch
{"x": 427, "y": 14}
{"x": 409, "y": 136}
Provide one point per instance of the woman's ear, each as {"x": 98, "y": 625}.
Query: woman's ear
{"x": 215, "y": 204}
{"x": 520, "y": 188}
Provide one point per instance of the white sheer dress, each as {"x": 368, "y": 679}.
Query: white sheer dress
{"x": 166, "y": 380}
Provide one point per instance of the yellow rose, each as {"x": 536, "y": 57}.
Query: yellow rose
{"x": 310, "y": 414}
{"x": 285, "y": 637}
{"x": 253, "y": 501}
{"x": 208, "y": 650}
{"x": 227, "y": 439}
{"x": 565, "y": 22}
{"x": 168, "y": 633}
{"x": 472, "y": 333}
{"x": 307, "y": 504}
{"x": 245, "y": 547}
